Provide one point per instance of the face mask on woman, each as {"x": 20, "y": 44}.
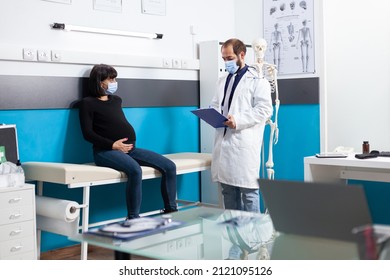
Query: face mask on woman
{"x": 111, "y": 88}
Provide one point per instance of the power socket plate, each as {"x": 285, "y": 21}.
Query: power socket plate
{"x": 29, "y": 54}
{"x": 44, "y": 55}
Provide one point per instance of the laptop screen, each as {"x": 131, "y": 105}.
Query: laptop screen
{"x": 325, "y": 210}
{"x": 8, "y": 143}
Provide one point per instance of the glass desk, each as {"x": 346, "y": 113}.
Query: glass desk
{"x": 203, "y": 236}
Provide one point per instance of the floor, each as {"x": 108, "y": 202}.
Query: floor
{"x": 73, "y": 253}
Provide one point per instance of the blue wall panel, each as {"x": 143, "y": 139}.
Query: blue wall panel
{"x": 299, "y": 136}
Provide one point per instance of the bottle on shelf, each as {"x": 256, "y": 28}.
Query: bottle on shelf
{"x": 366, "y": 147}
{"x": 20, "y": 178}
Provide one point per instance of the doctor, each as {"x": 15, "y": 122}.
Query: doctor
{"x": 245, "y": 100}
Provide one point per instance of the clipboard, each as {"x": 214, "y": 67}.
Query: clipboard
{"x": 211, "y": 116}
{"x": 116, "y": 231}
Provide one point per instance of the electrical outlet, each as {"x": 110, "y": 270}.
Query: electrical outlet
{"x": 44, "y": 55}
{"x": 56, "y": 55}
{"x": 184, "y": 64}
{"x": 167, "y": 63}
{"x": 171, "y": 246}
{"x": 176, "y": 63}
{"x": 29, "y": 54}
{"x": 180, "y": 244}
{"x": 188, "y": 242}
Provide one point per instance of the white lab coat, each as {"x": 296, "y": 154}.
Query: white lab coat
{"x": 236, "y": 155}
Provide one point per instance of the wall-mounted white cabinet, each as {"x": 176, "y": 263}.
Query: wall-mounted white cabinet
{"x": 211, "y": 67}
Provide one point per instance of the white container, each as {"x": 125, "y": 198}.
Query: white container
{"x": 12, "y": 180}
{"x": 4, "y": 180}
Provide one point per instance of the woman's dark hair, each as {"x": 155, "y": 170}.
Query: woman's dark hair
{"x": 98, "y": 74}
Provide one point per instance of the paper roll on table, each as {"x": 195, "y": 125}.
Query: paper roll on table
{"x": 60, "y": 209}
{"x": 57, "y": 215}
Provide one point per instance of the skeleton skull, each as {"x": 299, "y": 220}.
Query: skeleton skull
{"x": 259, "y": 47}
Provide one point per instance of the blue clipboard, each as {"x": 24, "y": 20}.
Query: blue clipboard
{"x": 121, "y": 233}
{"x": 211, "y": 116}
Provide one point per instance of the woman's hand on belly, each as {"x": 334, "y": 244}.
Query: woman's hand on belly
{"x": 121, "y": 146}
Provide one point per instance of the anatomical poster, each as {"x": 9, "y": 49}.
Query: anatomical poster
{"x": 289, "y": 32}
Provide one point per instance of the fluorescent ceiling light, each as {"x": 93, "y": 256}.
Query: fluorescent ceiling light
{"x": 68, "y": 27}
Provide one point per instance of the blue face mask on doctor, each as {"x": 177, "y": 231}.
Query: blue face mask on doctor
{"x": 111, "y": 88}
{"x": 231, "y": 66}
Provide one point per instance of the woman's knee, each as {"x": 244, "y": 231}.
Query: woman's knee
{"x": 172, "y": 166}
{"x": 169, "y": 167}
{"x": 133, "y": 171}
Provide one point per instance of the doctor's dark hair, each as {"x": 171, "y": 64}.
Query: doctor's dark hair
{"x": 99, "y": 73}
{"x": 238, "y": 46}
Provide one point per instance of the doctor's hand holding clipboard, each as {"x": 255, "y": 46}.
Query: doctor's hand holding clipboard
{"x": 211, "y": 116}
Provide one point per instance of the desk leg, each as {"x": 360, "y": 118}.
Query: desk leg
{"x": 85, "y": 221}
{"x": 122, "y": 256}
{"x": 39, "y": 232}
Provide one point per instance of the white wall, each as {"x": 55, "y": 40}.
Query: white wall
{"x": 249, "y": 20}
{"x": 26, "y": 24}
{"x": 357, "y": 43}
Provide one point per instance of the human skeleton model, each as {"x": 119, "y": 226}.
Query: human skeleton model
{"x": 268, "y": 71}
{"x": 305, "y": 37}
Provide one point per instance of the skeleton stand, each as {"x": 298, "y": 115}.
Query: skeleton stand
{"x": 268, "y": 71}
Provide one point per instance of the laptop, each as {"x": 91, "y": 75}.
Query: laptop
{"x": 327, "y": 210}
{"x": 8, "y": 143}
